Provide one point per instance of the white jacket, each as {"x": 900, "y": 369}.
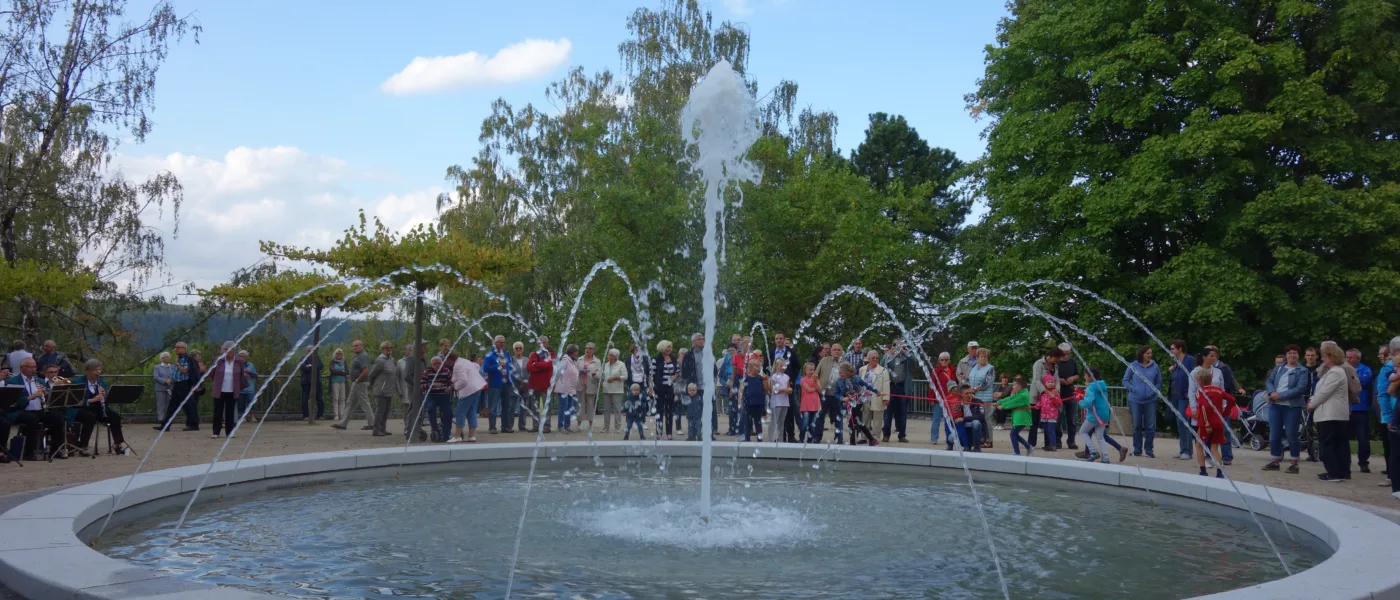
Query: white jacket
{"x": 466, "y": 378}
{"x": 1330, "y": 401}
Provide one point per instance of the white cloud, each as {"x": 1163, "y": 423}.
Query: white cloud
{"x": 282, "y": 194}
{"x": 517, "y": 62}
{"x": 739, "y": 7}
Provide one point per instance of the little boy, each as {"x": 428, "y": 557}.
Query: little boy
{"x": 694, "y": 411}
{"x": 636, "y": 410}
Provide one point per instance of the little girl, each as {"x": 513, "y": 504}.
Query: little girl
{"x": 781, "y": 398}
{"x": 694, "y": 411}
{"x": 811, "y": 402}
{"x": 636, "y": 409}
{"x": 1018, "y": 403}
{"x": 753, "y": 389}
{"x": 1049, "y": 406}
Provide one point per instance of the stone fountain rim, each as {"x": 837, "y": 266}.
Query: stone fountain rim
{"x": 42, "y": 555}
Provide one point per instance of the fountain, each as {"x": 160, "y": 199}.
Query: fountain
{"x": 442, "y": 521}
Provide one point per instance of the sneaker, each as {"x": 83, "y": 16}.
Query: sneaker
{"x": 1137, "y": 454}
{"x": 1106, "y": 461}
{"x": 471, "y": 440}
{"x": 337, "y": 426}
{"x": 214, "y": 437}
{"x": 1183, "y": 456}
{"x": 903, "y": 440}
{"x": 380, "y": 433}
{"x": 367, "y": 428}
{"x": 1365, "y": 468}
{"x": 885, "y": 439}
{"x": 1292, "y": 469}
{"x": 455, "y": 440}
{"x": 493, "y": 432}
{"x": 1330, "y": 479}
{"x": 998, "y": 428}
{"x": 1150, "y": 455}
{"x": 1227, "y": 462}
{"x": 1071, "y": 446}
{"x": 1385, "y": 483}
{"x": 1273, "y": 466}
{"x": 1082, "y": 454}
{"x": 1122, "y": 454}
{"x": 507, "y": 430}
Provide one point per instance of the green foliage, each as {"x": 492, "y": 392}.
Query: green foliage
{"x": 1225, "y": 170}
{"x": 264, "y": 291}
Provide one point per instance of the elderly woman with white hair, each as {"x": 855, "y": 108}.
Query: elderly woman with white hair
{"x": 164, "y": 374}
{"x": 664, "y": 372}
{"x": 1331, "y": 408}
{"x": 614, "y": 389}
{"x": 944, "y": 376}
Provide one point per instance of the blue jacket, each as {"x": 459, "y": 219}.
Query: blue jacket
{"x": 17, "y": 380}
{"x": 1363, "y": 373}
{"x": 1142, "y": 382}
{"x": 1181, "y": 378}
{"x": 252, "y": 374}
{"x": 1291, "y": 385}
{"x": 1383, "y": 397}
{"x": 496, "y": 368}
{"x": 1095, "y": 403}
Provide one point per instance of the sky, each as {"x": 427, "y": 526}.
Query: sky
{"x": 289, "y": 117}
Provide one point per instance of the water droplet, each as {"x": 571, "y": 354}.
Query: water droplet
{"x": 553, "y": 458}
{"x": 814, "y": 467}
{"x": 746, "y": 485}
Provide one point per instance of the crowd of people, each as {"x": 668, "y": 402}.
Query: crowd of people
{"x": 1315, "y": 400}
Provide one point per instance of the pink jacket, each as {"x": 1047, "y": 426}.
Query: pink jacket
{"x": 567, "y": 384}
{"x": 466, "y": 378}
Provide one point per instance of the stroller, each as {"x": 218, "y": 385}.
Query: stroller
{"x": 1254, "y": 422}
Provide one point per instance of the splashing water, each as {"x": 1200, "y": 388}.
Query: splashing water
{"x": 721, "y": 121}
{"x": 733, "y": 524}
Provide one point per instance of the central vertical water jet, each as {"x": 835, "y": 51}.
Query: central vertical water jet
{"x": 721, "y": 122}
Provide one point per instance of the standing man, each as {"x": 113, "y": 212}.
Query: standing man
{"x": 51, "y": 356}
{"x": 792, "y": 367}
{"x": 359, "y": 387}
{"x": 310, "y": 369}
{"x": 1044, "y": 365}
{"x": 896, "y": 363}
{"x": 856, "y": 356}
{"x": 1180, "y": 370}
{"x": 691, "y": 373}
{"x": 1361, "y": 411}
{"x": 186, "y": 374}
{"x": 384, "y": 384}
{"x": 541, "y": 368}
{"x": 497, "y": 366}
{"x": 828, "y": 371}
{"x": 965, "y": 365}
{"x": 520, "y": 389}
{"x": 1067, "y": 370}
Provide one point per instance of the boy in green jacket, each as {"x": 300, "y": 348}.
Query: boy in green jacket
{"x": 1019, "y": 405}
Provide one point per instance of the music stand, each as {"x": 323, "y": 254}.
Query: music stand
{"x": 11, "y": 397}
{"x": 122, "y": 394}
{"x": 65, "y": 396}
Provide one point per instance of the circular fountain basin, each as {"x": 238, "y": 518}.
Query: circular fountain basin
{"x": 620, "y": 520}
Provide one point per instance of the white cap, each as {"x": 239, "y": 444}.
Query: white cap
{"x": 1064, "y": 347}
{"x": 972, "y": 345}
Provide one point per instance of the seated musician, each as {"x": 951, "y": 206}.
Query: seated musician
{"x": 95, "y": 408}
{"x": 30, "y": 412}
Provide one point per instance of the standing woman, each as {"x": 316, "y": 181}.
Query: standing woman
{"x": 227, "y": 379}
{"x": 468, "y": 383}
{"x": 662, "y": 386}
{"x": 878, "y": 378}
{"x": 95, "y": 408}
{"x": 164, "y": 374}
{"x": 1331, "y": 410}
{"x": 614, "y": 387}
{"x": 1287, "y": 389}
{"x": 1143, "y": 379}
{"x": 340, "y": 398}
{"x": 590, "y": 371}
{"x": 566, "y": 386}
{"x": 983, "y": 379}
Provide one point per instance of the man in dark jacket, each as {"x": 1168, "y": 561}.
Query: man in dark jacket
{"x": 1180, "y": 370}
{"x": 310, "y": 369}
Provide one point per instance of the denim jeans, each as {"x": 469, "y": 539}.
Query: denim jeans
{"x": 1284, "y": 420}
{"x": 1227, "y": 450}
{"x": 568, "y": 405}
{"x": 493, "y": 406}
{"x": 937, "y": 422}
{"x": 1144, "y": 425}
{"x": 244, "y": 400}
{"x": 1017, "y": 441}
{"x": 832, "y": 411}
{"x": 1050, "y": 433}
{"x": 1183, "y": 427}
{"x": 809, "y": 421}
{"x": 467, "y": 409}
{"x": 510, "y": 407}
{"x": 439, "y": 409}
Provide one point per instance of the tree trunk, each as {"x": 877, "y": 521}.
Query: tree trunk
{"x": 416, "y": 365}
{"x": 316, "y": 343}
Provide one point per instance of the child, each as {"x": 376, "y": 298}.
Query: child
{"x": 754, "y": 389}
{"x": 848, "y": 388}
{"x": 636, "y": 409}
{"x": 694, "y": 411}
{"x": 1003, "y": 390}
{"x": 811, "y": 402}
{"x": 1018, "y": 405}
{"x": 1049, "y": 405}
{"x": 1096, "y": 417}
{"x": 781, "y": 398}
{"x": 1212, "y": 404}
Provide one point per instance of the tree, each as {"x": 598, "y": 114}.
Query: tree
{"x": 68, "y": 92}
{"x": 1224, "y": 169}
{"x": 374, "y": 254}
{"x": 893, "y": 152}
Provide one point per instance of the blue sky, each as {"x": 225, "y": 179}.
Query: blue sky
{"x": 279, "y": 128}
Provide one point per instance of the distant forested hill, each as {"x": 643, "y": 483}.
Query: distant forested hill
{"x": 152, "y": 327}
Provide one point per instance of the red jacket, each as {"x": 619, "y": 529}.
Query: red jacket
{"x": 1213, "y": 404}
{"x": 541, "y": 369}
